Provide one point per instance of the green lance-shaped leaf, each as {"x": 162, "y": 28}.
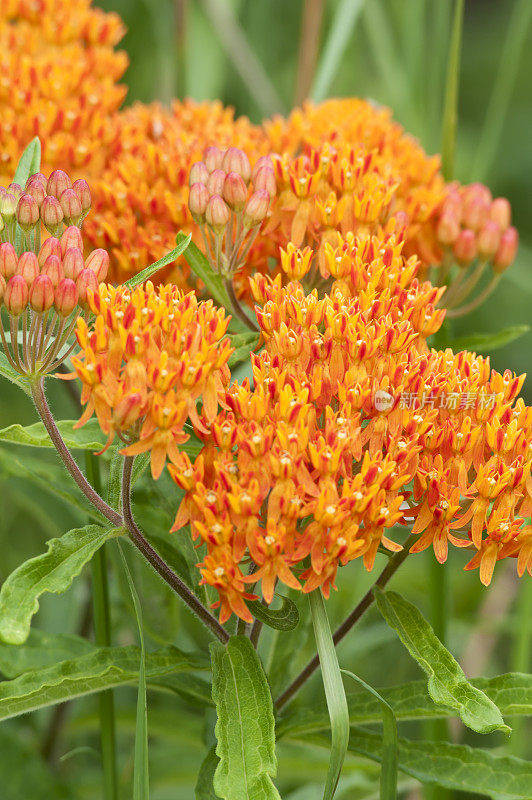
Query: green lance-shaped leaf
{"x": 447, "y": 682}
{"x": 244, "y": 344}
{"x": 89, "y": 437}
{"x": 101, "y": 668}
{"x": 212, "y": 280}
{"x": 30, "y": 162}
{"x": 285, "y": 618}
{"x": 204, "y": 789}
{"x": 388, "y": 781}
{"x": 512, "y": 693}
{"x": 147, "y": 273}
{"x": 52, "y": 572}
{"x": 334, "y": 692}
{"x": 245, "y": 725}
{"x": 486, "y": 342}
{"x": 41, "y": 650}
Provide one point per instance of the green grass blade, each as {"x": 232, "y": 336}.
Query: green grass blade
{"x": 141, "y": 781}
{"x": 334, "y": 691}
{"x": 342, "y": 27}
{"x": 503, "y": 85}
{"x": 388, "y": 783}
{"x": 450, "y": 108}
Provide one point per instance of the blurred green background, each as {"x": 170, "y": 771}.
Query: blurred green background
{"x": 395, "y": 53}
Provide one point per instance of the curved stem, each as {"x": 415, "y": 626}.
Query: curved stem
{"x": 367, "y": 601}
{"x": 460, "y": 312}
{"x": 157, "y": 562}
{"x": 151, "y": 555}
{"x": 39, "y": 398}
{"x": 237, "y": 308}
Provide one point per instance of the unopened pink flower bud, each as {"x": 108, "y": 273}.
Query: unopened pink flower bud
{"x": 15, "y": 189}
{"x": 488, "y": 240}
{"x": 215, "y": 182}
{"x": 2, "y": 288}
{"x": 506, "y": 253}
{"x": 36, "y": 188}
{"x": 27, "y": 212}
{"x": 197, "y": 201}
{"x": 54, "y": 269}
{"x": 86, "y": 282}
{"x": 98, "y": 262}
{"x": 256, "y": 208}
{"x": 217, "y": 213}
{"x": 51, "y": 247}
{"x": 265, "y": 179}
{"x": 65, "y": 297}
{"x": 234, "y": 191}
{"x": 37, "y": 176}
{"x": 58, "y": 182}
{"x": 71, "y": 238}
{"x": 41, "y": 294}
{"x": 73, "y": 263}
{"x": 475, "y": 213}
{"x": 501, "y": 212}
{"x": 212, "y": 158}
{"x": 465, "y": 247}
{"x": 263, "y": 161}
{"x": 235, "y": 160}
{"x": 71, "y": 205}
{"x": 8, "y": 207}
{"x": 52, "y": 215}
{"x": 16, "y": 295}
{"x": 82, "y": 189}
{"x": 448, "y": 229}
{"x": 28, "y": 267}
{"x": 198, "y": 173}
{"x": 8, "y": 260}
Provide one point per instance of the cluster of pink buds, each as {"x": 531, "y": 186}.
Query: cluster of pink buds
{"x": 55, "y": 202}
{"x": 229, "y": 201}
{"x": 473, "y": 225}
{"x": 45, "y": 288}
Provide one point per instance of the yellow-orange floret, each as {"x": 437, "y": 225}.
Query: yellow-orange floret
{"x": 149, "y": 358}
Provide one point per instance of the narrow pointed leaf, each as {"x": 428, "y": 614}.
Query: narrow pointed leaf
{"x": 30, "y": 162}
{"x": 51, "y": 572}
{"x": 486, "y": 342}
{"x": 147, "y": 273}
{"x": 447, "y": 684}
{"x": 512, "y": 693}
{"x": 212, "y": 280}
{"x": 388, "y": 781}
{"x": 245, "y": 725}
{"x": 101, "y": 668}
{"x": 244, "y": 344}
{"x": 334, "y": 692}
{"x": 41, "y": 650}
{"x": 285, "y": 618}
{"x": 89, "y": 437}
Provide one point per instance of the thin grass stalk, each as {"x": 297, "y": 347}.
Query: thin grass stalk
{"x": 308, "y": 48}
{"x": 102, "y": 635}
{"x": 503, "y": 87}
{"x": 452, "y": 83}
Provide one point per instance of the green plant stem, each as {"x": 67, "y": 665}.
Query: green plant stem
{"x": 349, "y": 622}
{"x": 479, "y": 299}
{"x": 102, "y": 635}
{"x": 237, "y": 308}
{"x": 157, "y": 562}
{"x": 151, "y": 555}
{"x": 438, "y": 729}
{"x": 522, "y": 659}
{"x": 450, "y": 108}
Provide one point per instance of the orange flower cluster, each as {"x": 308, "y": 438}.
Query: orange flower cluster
{"x": 149, "y": 357}
{"x": 352, "y": 426}
{"x": 58, "y": 81}
{"x": 141, "y": 198}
